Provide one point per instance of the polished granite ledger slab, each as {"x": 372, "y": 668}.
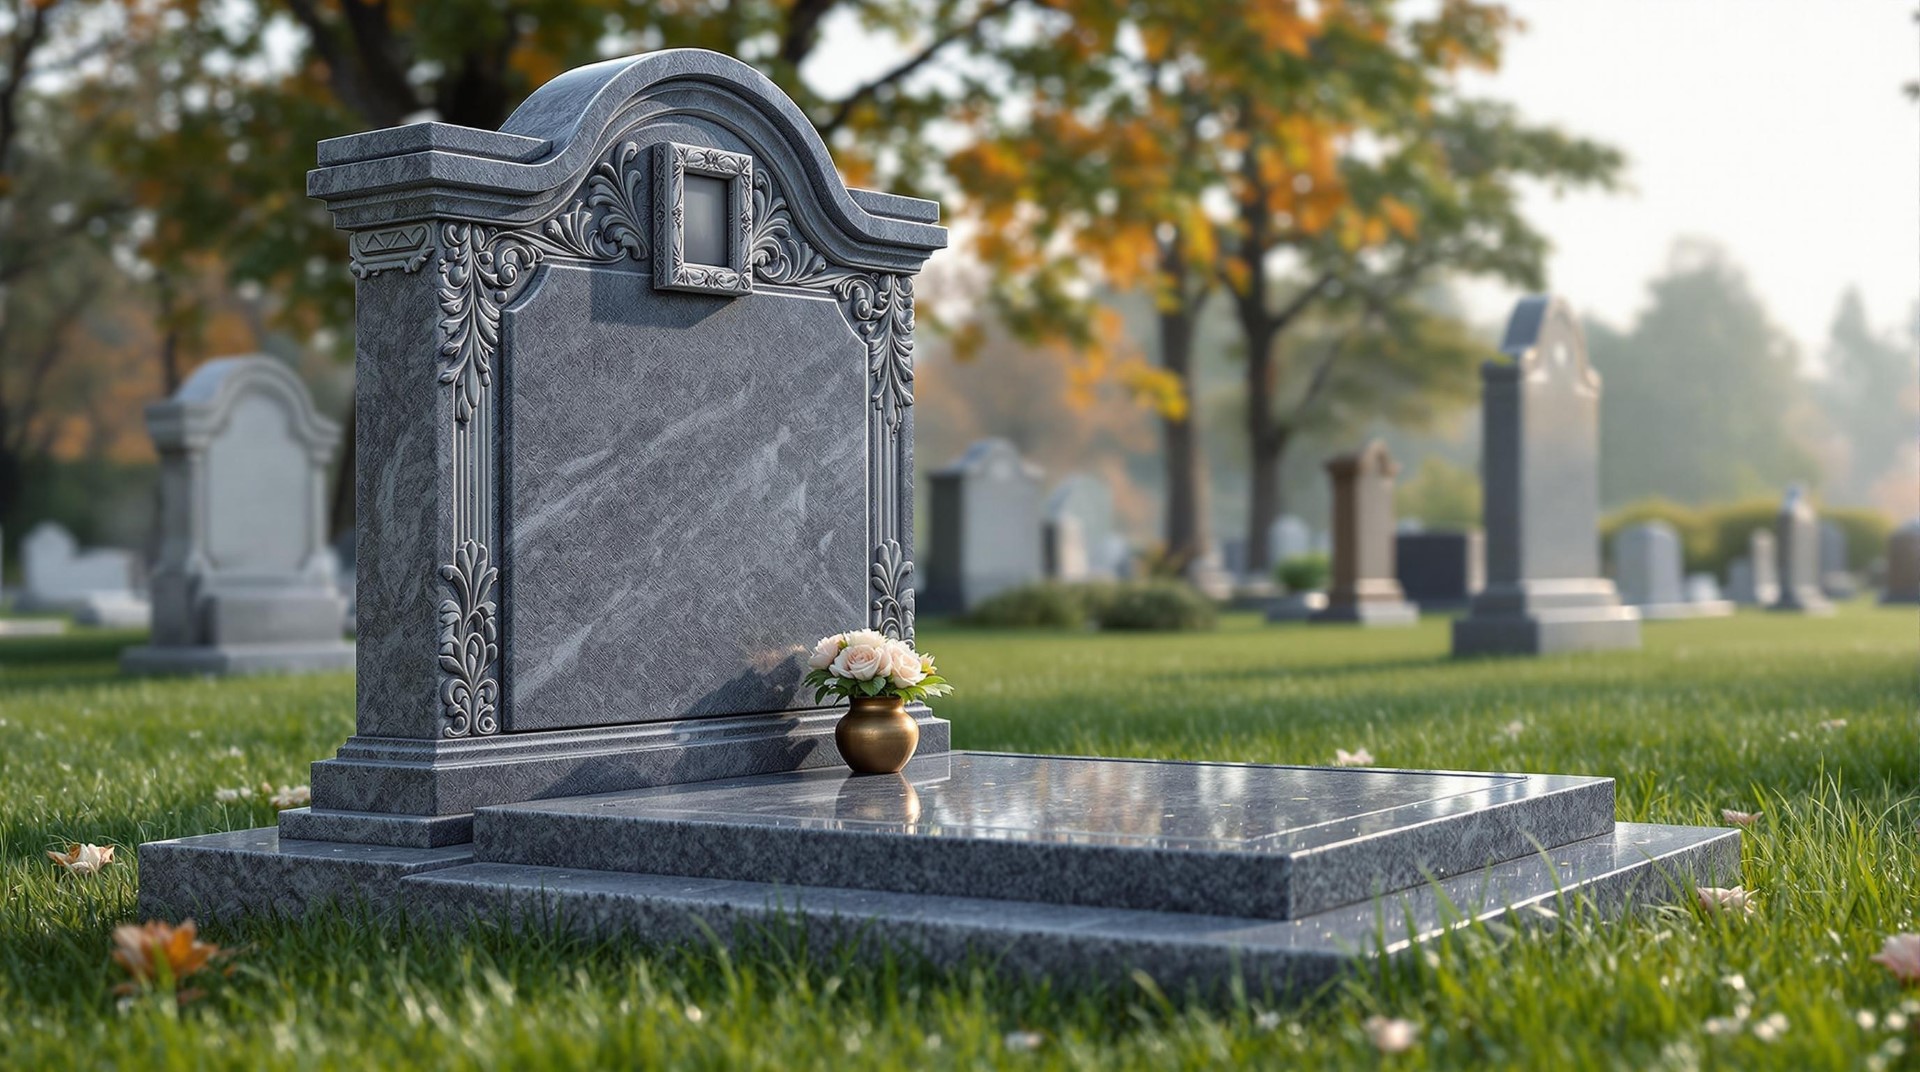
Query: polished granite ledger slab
{"x": 1257, "y": 841}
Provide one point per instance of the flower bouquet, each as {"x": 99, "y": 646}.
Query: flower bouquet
{"x": 878, "y": 676}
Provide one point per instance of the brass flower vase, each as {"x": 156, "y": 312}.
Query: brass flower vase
{"x": 876, "y": 735}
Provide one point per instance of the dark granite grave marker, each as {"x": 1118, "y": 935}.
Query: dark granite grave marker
{"x": 1903, "y": 565}
{"x": 1541, "y": 411}
{"x": 1440, "y": 570}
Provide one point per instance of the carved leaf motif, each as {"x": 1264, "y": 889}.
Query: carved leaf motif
{"x": 614, "y": 190}
{"x": 892, "y": 609}
{"x": 778, "y": 253}
{"x": 881, "y": 309}
{"x": 469, "y": 644}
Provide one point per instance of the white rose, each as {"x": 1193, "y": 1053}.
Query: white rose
{"x": 903, "y": 665}
{"x": 860, "y": 663}
{"x": 866, "y": 638}
{"x": 824, "y": 652}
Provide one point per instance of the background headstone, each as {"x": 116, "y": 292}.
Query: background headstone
{"x": 1647, "y": 566}
{"x": 245, "y": 581}
{"x": 96, "y": 585}
{"x": 1796, "y": 537}
{"x": 986, "y": 532}
{"x": 1702, "y": 588}
{"x": 345, "y": 556}
{"x": 1288, "y": 537}
{"x": 1903, "y": 565}
{"x": 1440, "y": 570}
{"x": 1363, "y": 589}
{"x": 1753, "y": 578}
{"x": 1085, "y": 503}
{"x": 1540, "y": 411}
{"x": 1836, "y": 580}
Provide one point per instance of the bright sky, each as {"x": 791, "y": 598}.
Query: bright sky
{"x": 1775, "y": 128}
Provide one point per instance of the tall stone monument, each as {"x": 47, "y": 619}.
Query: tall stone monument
{"x": 630, "y": 440}
{"x": 986, "y": 533}
{"x": 1836, "y": 579}
{"x": 1903, "y": 565}
{"x": 1647, "y": 562}
{"x": 1079, "y": 530}
{"x": 1541, "y": 414}
{"x": 1364, "y": 589}
{"x": 1796, "y": 533}
{"x": 244, "y": 581}
{"x": 1752, "y": 579}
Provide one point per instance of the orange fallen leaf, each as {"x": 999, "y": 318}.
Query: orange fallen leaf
{"x": 158, "y": 953}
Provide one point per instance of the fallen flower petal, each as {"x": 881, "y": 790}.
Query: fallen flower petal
{"x": 1390, "y": 1035}
{"x": 1357, "y": 758}
{"x": 228, "y": 796}
{"x": 1740, "y": 818}
{"x": 1834, "y": 724}
{"x": 1734, "y": 901}
{"x": 1023, "y": 1041}
{"x": 1901, "y": 956}
{"x": 83, "y": 859}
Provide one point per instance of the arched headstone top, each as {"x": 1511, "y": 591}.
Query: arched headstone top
{"x": 576, "y": 161}
{"x": 996, "y": 457}
{"x": 1545, "y": 342}
{"x": 201, "y": 407}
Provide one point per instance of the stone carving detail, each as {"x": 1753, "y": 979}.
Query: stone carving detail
{"x": 469, "y": 644}
{"x": 880, "y": 307}
{"x": 892, "y": 608}
{"x": 405, "y": 248}
{"x": 671, "y": 270}
{"x": 779, "y": 254}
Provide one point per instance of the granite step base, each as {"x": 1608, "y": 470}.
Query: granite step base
{"x": 257, "y": 873}
{"x": 1235, "y": 839}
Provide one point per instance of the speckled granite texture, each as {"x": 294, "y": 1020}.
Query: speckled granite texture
{"x": 224, "y": 875}
{"x": 1219, "y": 838}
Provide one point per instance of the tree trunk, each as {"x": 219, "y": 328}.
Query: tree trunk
{"x": 1186, "y": 514}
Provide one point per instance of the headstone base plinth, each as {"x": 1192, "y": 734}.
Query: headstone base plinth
{"x": 1543, "y": 617}
{"x": 1075, "y": 868}
{"x": 238, "y": 659}
{"x": 1296, "y": 606}
{"x": 1368, "y": 613}
{"x": 1704, "y": 608}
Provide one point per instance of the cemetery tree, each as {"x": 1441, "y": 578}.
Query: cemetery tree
{"x": 216, "y": 173}
{"x": 1869, "y": 396}
{"x": 1337, "y": 236}
{"x": 1704, "y": 401}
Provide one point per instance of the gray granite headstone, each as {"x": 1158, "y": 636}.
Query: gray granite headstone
{"x": 1288, "y": 537}
{"x": 1753, "y": 578}
{"x": 1080, "y": 511}
{"x": 1364, "y": 589}
{"x": 1903, "y": 565}
{"x": 1836, "y": 580}
{"x": 986, "y": 534}
{"x": 244, "y": 581}
{"x": 1702, "y": 588}
{"x": 1797, "y": 537}
{"x": 599, "y": 409}
{"x": 1647, "y": 564}
{"x": 1440, "y": 570}
{"x": 95, "y": 585}
{"x": 1540, "y": 411}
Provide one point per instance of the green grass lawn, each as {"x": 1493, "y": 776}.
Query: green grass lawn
{"x": 1813, "y": 723}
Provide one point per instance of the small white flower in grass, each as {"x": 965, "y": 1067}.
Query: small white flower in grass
{"x": 237, "y": 793}
{"x": 292, "y": 796}
{"x": 1724, "y": 1025}
{"x": 1359, "y": 757}
{"x": 1770, "y": 1028}
{"x": 1900, "y": 955}
{"x": 233, "y": 752}
{"x": 1023, "y": 1041}
{"x": 1740, "y": 818}
{"x": 1390, "y": 1034}
{"x": 1735, "y": 901}
{"x": 1866, "y": 1019}
{"x": 1834, "y": 724}
{"x": 83, "y": 860}
{"x": 1513, "y": 730}
{"x": 1267, "y": 1021}
{"x": 694, "y": 1015}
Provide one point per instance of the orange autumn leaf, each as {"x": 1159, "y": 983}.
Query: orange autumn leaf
{"x": 155, "y": 951}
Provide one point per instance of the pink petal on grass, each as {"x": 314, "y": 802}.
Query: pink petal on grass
{"x": 1358, "y": 758}
{"x": 1740, "y": 818}
{"x": 1901, "y": 956}
{"x": 1390, "y": 1035}
{"x": 1735, "y": 901}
